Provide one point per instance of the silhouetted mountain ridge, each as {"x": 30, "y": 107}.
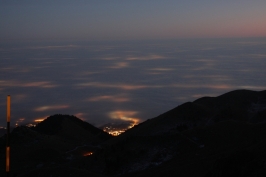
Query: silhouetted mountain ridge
{"x": 158, "y": 141}
{"x": 239, "y": 105}
{"x": 57, "y": 124}
{"x": 208, "y": 137}
{"x": 53, "y": 124}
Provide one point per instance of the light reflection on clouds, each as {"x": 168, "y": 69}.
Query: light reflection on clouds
{"x": 39, "y": 119}
{"x": 151, "y": 78}
{"x": 161, "y": 69}
{"x": 110, "y": 58}
{"x": 150, "y": 57}
{"x": 202, "y": 95}
{"x": 158, "y": 71}
{"x": 252, "y": 87}
{"x": 41, "y": 84}
{"x": 54, "y": 107}
{"x": 210, "y": 77}
{"x": 119, "y": 65}
{"x": 111, "y": 98}
{"x": 54, "y": 47}
{"x": 81, "y": 116}
{"x": 112, "y": 85}
{"x": 128, "y": 116}
{"x": 207, "y": 86}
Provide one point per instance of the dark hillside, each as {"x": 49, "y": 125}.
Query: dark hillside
{"x": 50, "y": 145}
{"x": 209, "y": 137}
{"x": 228, "y": 149}
{"x": 210, "y": 124}
{"x": 56, "y": 125}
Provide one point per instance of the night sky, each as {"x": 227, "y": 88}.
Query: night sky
{"x": 123, "y": 20}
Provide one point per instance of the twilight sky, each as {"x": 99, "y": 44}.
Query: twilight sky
{"x": 124, "y": 19}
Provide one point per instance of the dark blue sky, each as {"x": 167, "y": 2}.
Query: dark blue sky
{"x": 122, "y": 20}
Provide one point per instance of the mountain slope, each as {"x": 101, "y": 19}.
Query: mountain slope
{"x": 159, "y": 141}
{"x": 209, "y": 137}
{"x": 71, "y": 127}
{"x": 240, "y": 105}
{"x": 52, "y": 143}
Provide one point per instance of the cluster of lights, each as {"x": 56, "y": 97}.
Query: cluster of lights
{"x": 31, "y": 125}
{"x": 117, "y": 131}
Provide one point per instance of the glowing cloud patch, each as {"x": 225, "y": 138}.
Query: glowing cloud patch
{"x": 39, "y": 84}
{"x": 43, "y": 84}
{"x": 46, "y": 108}
{"x": 116, "y": 86}
{"x": 112, "y": 98}
{"x": 80, "y": 115}
{"x": 150, "y": 57}
{"x": 161, "y": 69}
{"x": 128, "y": 116}
{"x": 119, "y": 65}
{"x": 40, "y": 119}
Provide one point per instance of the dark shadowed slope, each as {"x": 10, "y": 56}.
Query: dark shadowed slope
{"x": 71, "y": 126}
{"x": 209, "y": 137}
{"x": 53, "y": 143}
{"x": 240, "y": 105}
{"x": 228, "y": 148}
{"x": 208, "y": 125}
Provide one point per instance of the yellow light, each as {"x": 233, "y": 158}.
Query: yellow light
{"x": 39, "y": 120}
{"x": 88, "y": 154}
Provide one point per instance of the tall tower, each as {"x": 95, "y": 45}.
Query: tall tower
{"x": 8, "y": 110}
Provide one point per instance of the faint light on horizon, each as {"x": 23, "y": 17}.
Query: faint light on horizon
{"x": 38, "y": 120}
{"x": 19, "y": 121}
{"x": 80, "y": 115}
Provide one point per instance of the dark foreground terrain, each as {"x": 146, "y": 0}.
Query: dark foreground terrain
{"x": 209, "y": 137}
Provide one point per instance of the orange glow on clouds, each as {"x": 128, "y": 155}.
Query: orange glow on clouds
{"x": 128, "y": 116}
{"x": 119, "y": 65}
{"x": 117, "y": 86}
{"x": 39, "y": 120}
{"x": 42, "y": 84}
{"x": 150, "y": 57}
{"x": 161, "y": 69}
{"x": 115, "y": 98}
{"x": 80, "y": 115}
{"x": 45, "y": 108}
